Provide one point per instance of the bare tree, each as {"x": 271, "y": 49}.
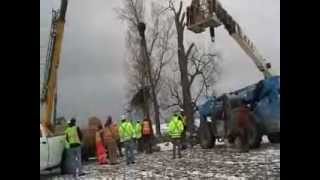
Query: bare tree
{"x": 203, "y": 73}
{"x": 183, "y": 62}
{"x": 154, "y": 53}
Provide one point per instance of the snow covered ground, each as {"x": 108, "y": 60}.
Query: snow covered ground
{"x": 220, "y": 162}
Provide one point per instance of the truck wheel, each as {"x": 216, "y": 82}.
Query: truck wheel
{"x": 206, "y": 138}
{"x": 274, "y": 138}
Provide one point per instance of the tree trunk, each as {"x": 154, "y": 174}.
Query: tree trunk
{"x": 156, "y": 112}
{"x": 150, "y": 80}
{"x": 183, "y": 65}
{"x": 143, "y": 47}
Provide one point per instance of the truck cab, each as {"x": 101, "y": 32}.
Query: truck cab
{"x": 51, "y": 149}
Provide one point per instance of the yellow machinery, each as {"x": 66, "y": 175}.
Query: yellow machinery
{"x": 49, "y": 92}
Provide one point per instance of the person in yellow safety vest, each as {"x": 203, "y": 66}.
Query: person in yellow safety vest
{"x": 137, "y": 135}
{"x": 126, "y": 137}
{"x": 73, "y": 138}
{"x": 183, "y": 136}
{"x": 175, "y": 131}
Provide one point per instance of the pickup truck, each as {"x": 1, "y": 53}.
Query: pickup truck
{"x": 51, "y": 149}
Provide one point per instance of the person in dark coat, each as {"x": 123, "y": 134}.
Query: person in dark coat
{"x": 147, "y": 134}
{"x": 243, "y": 123}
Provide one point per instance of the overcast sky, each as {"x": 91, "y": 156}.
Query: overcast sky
{"x": 91, "y": 73}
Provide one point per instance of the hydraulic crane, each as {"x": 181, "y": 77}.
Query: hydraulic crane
{"x": 48, "y": 97}
{"x": 202, "y": 14}
{"x": 263, "y": 96}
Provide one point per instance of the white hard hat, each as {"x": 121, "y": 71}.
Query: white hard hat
{"x": 181, "y": 110}
{"x": 123, "y": 117}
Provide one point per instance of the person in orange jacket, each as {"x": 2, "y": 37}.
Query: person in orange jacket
{"x": 110, "y": 133}
{"x": 115, "y": 131}
{"x": 100, "y": 148}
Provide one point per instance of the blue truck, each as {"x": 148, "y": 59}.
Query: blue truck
{"x": 217, "y": 119}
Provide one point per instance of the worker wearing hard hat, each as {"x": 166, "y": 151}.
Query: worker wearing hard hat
{"x": 175, "y": 131}
{"x": 73, "y": 138}
{"x": 126, "y": 137}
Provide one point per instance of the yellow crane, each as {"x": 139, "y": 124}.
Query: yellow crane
{"x": 49, "y": 92}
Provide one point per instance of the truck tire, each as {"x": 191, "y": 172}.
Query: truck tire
{"x": 206, "y": 138}
{"x": 274, "y": 138}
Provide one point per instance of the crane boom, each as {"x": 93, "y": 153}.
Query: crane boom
{"x": 49, "y": 91}
{"x": 202, "y": 14}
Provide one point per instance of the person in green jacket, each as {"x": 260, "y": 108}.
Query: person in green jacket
{"x": 184, "y": 132}
{"x": 175, "y": 132}
{"x": 126, "y": 133}
{"x": 137, "y": 135}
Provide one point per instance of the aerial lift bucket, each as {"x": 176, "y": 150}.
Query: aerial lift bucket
{"x": 201, "y": 15}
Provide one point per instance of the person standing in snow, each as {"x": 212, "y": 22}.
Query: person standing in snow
{"x": 110, "y": 139}
{"x": 243, "y": 123}
{"x": 137, "y": 135}
{"x": 183, "y": 118}
{"x": 175, "y": 131}
{"x": 73, "y": 140}
{"x": 101, "y": 150}
{"x": 126, "y": 137}
{"x": 147, "y": 135}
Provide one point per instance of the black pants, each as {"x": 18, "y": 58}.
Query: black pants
{"x": 176, "y": 142}
{"x": 244, "y": 138}
{"x": 119, "y": 144}
{"x": 183, "y": 139}
{"x": 147, "y": 144}
{"x": 139, "y": 145}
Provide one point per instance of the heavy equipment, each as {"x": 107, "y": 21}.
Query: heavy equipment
{"x": 52, "y": 139}
{"x": 217, "y": 114}
{"x": 50, "y": 127}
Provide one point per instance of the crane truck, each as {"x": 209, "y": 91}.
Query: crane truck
{"x": 52, "y": 139}
{"x": 217, "y": 114}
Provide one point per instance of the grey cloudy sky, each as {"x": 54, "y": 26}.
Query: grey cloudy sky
{"x": 91, "y": 74}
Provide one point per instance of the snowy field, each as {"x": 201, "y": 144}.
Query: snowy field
{"x": 221, "y": 162}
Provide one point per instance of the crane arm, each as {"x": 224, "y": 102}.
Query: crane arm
{"x": 49, "y": 92}
{"x": 210, "y": 13}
